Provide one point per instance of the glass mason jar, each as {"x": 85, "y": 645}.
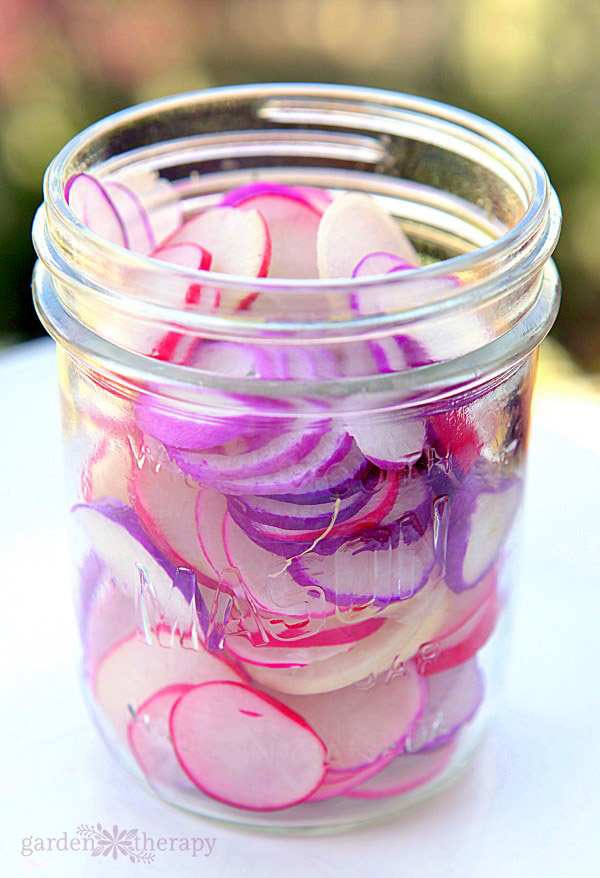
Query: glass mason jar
{"x": 294, "y": 553}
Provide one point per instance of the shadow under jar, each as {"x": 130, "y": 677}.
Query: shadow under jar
{"x": 294, "y": 548}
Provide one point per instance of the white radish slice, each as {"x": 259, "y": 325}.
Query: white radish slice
{"x": 211, "y": 509}
{"x": 293, "y": 225}
{"x": 469, "y": 621}
{"x": 271, "y": 656}
{"x": 245, "y": 749}
{"x": 130, "y": 556}
{"x": 407, "y": 772}
{"x": 91, "y": 203}
{"x": 159, "y": 200}
{"x": 389, "y": 445}
{"x": 150, "y": 740}
{"x": 140, "y": 236}
{"x": 359, "y": 725}
{"x": 237, "y": 239}
{"x": 409, "y": 624}
{"x": 166, "y": 506}
{"x": 133, "y": 670}
{"x": 352, "y": 227}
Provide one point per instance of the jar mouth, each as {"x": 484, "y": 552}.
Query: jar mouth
{"x": 440, "y": 165}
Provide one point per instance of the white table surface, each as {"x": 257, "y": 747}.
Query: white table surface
{"x": 529, "y": 806}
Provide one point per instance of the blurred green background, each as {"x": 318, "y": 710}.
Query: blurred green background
{"x": 530, "y": 65}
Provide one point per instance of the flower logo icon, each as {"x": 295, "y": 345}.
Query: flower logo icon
{"x": 114, "y": 843}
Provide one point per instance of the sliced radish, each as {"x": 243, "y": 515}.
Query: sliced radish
{"x": 409, "y": 624}
{"x": 267, "y": 579}
{"x": 359, "y": 725}
{"x": 482, "y": 511}
{"x": 390, "y": 445}
{"x": 166, "y": 506}
{"x": 381, "y": 262}
{"x": 339, "y": 783}
{"x": 453, "y": 699}
{"x": 91, "y": 203}
{"x": 133, "y": 670}
{"x": 140, "y": 235}
{"x": 270, "y": 656}
{"x": 293, "y": 224}
{"x": 354, "y": 226}
{"x": 237, "y": 239}
{"x": 131, "y": 557}
{"x": 246, "y": 749}
{"x": 469, "y": 621}
{"x": 407, "y": 772}
{"x": 107, "y": 472}
{"x": 150, "y": 741}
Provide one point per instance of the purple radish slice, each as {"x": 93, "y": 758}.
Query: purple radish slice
{"x": 150, "y": 741}
{"x": 480, "y": 517}
{"x": 350, "y": 475}
{"x": 246, "y": 749}
{"x": 359, "y": 725}
{"x": 231, "y": 463}
{"x": 270, "y": 656}
{"x": 187, "y": 430}
{"x": 408, "y": 624}
{"x": 354, "y": 226}
{"x": 91, "y": 203}
{"x": 166, "y": 507}
{"x": 320, "y": 468}
{"x": 128, "y": 204}
{"x": 381, "y": 262}
{"x": 293, "y": 224}
{"x": 130, "y": 556}
{"x": 407, "y": 772}
{"x": 379, "y": 504}
{"x": 133, "y": 670}
{"x": 216, "y": 228}
{"x": 263, "y": 510}
{"x": 453, "y": 699}
{"x": 267, "y": 580}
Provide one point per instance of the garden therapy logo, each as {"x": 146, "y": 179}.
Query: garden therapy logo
{"x": 99, "y": 842}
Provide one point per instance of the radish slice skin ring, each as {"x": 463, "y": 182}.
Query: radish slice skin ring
{"x": 407, "y": 772}
{"x": 246, "y": 749}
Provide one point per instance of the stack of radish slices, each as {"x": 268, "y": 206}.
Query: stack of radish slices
{"x": 312, "y": 592}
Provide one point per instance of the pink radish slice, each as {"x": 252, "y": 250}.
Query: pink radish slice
{"x": 354, "y": 226}
{"x": 133, "y": 670}
{"x": 166, "y": 506}
{"x": 241, "y": 194}
{"x": 270, "y": 656}
{"x": 408, "y": 625}
{"x": 359, "y": 725}
{"x": 453, "y": 699}
{"x": 107, "y": 619}
{"x": 459, "y": 643}
{"x": 331, "y": 634}
{"x": 129, "y": 555}
{"x": 246, "y": 749}
{"x": 91, "y": 203}
{"x": 140, "y": 235}
{"x": 293, "y": 224}
{"x": 174, "y": 346}
{"x": 150, "y": 741}
{"x": 211, "y": 509}
{"x": 339, "y": 783}
{"x": 276, "y": 593}
{"x": 237, "y": 239}
{"x": 407, "y": 772}
{"x": 107, "y": 472}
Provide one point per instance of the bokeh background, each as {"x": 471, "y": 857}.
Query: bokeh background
{"x": 530, "y": 65}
